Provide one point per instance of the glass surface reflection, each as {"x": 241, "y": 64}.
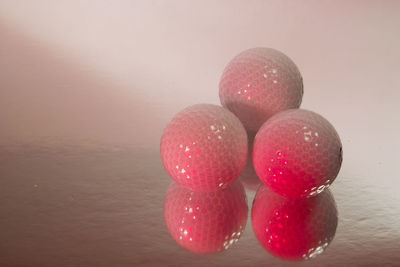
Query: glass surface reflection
{"x": 206, "y": 222}
{"x": 294, "y": 229}
{"x": 248, "y": 177}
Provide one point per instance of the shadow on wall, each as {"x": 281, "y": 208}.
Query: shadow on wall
{"x": 44, "y": 94}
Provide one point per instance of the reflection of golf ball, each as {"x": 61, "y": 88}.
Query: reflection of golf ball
{"x": 297, "y": 153}
{"x": 258, "y": 83}
{"x": 206, "y": 222}
{"x": 294, "y": 229}
{"x": 204, "y": 147}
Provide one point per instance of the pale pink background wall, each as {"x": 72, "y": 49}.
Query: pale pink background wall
{"x": 116, "y": 71}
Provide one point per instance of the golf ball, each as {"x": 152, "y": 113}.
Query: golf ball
{"x": 297, "y": 153}
{"x": 206, "y": 222}
{"x": 258, "y": 83}
{"x": 204, "y": 147}
{"x": 294, "y": 229}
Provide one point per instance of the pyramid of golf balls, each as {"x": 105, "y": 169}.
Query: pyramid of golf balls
{"x": 296, "y": 152}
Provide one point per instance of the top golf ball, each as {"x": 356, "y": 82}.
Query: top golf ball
{"x": 204, "y": 147}
{"x": 258, "y": 83}
{"x": 297, "y": 153}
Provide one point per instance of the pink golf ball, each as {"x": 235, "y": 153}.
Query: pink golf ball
{"x": 258, "y": 83}
{"x": 204, "y": 147}
{"x": 297, "y": 153}
{"x": 206, "y": 222}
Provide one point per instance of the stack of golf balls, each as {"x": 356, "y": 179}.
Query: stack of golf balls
{"x": 296, "y": 152}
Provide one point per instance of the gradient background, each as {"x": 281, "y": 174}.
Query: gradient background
{"x": 86, "y": 88}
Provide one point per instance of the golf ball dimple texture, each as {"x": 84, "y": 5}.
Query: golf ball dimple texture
{"x": 294, "y": 229}
{"x": 297, "y": 153}
{"x": 258, "y": 83}
{"x": 204, "y": 147}
{"x": 206, "y": 222}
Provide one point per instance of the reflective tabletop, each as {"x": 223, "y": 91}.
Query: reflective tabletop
{"x": 74, "y": 205}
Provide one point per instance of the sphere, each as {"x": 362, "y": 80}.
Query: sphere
{"x": 294, "y": 229}
{"x": 297, "y": 153}
{"x": 206, "y": 222}
{"x": 204, "y": 147}
{"x": 258, "y": 83}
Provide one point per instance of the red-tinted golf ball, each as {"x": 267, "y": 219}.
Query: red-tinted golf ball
{"x": 297, "y": 153}
{"x": 258, "y": 83}
{"x": 294, "y": 229}
{"x": 206, "y": 222}
{"x": 204, "y": 147}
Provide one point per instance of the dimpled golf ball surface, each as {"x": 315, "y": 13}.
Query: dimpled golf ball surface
{"x": 258, "y": 83}
{"x": 204, "y": 147}
{"x": 297, "y": 153}
{"x": 206, "y": 222}
{"x": 294, "y": 229}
